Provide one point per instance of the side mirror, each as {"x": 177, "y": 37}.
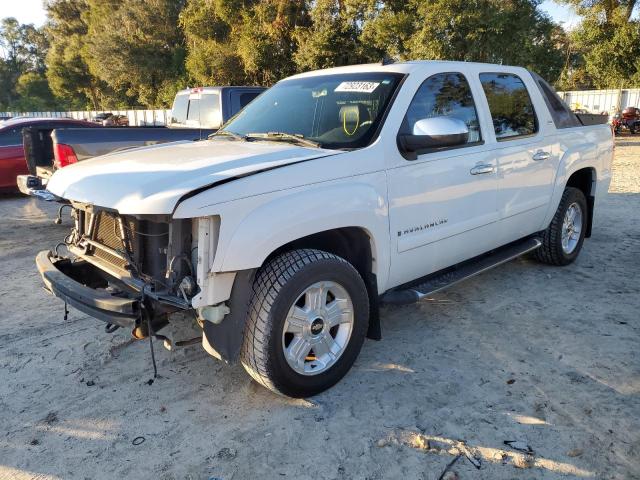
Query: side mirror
{"x": 435, "y": 132}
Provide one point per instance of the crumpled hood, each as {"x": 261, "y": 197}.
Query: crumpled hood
{"x": 151, "y": 180}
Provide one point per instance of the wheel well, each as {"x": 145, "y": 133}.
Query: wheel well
{"x": 354, "y": 245}
{"x": 584, "y": 180}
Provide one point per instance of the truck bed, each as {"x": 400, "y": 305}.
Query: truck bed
{"x": 87, "y": 144}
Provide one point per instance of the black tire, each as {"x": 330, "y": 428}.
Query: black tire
{"x": 277, "y": 286}
{"x": 551, "y": 251}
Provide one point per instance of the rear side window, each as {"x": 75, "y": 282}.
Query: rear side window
{"x": 193, "y": 110}
{"x": 510, "y": 105}
{"x": 560, "y": 112}
{"x": 209, "y": 111}
{"x": 179, "y": 109}
{"x": 444, "y": 95}
{"x": 12, "y": 136}
{"x": 245, "y": 98}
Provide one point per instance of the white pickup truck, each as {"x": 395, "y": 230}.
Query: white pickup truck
{"x": 333, "y": 191}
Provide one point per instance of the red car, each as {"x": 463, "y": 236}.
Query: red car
{"x": 12, "y": 161}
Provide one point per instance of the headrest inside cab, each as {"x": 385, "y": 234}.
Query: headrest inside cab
{"x": 354, "y": 114}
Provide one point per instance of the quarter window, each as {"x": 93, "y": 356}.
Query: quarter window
{"x": 444, "y": 95}
{"x": 11, "y": 137}
{"x": 510, "y": 105}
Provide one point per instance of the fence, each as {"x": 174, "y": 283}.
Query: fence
{"x": 594, "y": 101}
{"x": 140, "y": 118}
{"x": 598, "y": 101}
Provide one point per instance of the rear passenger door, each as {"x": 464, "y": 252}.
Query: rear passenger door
{"x": 526, "y": 166}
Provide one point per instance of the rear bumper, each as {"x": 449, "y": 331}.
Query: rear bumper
{"x": 35, "y": 187}
{"x": 64, "y": 279}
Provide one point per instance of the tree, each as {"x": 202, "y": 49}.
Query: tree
{"x": 511, "y": 32}
{"x": 235, "y": 42}
{"x": 605, "y": 47}
{"x": 136, "y": 47}
{"x": 266, "y": 40}
{"x": 34, "y": 93}
{"x": 333, "y": 38}
{"x": 68, "y": 72}
{"x": 23, "y": 48}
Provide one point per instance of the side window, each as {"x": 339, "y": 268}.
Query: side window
{"x": 448, "y": 95}
{"x": 179, "y": 109}
{"x": 245, "y": 98}
{"x": 11, "y": 137}
{"x": 561, "y": 114}
{"x": 510, "y": 105}
{"x": 209, "y": 110}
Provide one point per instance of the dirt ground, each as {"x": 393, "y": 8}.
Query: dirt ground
{"x": 545, "y": 356}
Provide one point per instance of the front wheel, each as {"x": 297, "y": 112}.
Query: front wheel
{"x": 563, "y": 239}
{"x": 307, "y": 320}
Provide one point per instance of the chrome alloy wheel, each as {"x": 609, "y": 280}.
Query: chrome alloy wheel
{"x": 571, "y": 228}
{"x": 317, "y": 328}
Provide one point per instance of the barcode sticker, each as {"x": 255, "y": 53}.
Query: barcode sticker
{"x": 365, "y": 87}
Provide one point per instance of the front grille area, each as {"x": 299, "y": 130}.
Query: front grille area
{"x": 144, "y": 242}
{"x": 108, "y": 233}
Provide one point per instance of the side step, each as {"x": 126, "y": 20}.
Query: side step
{"x": 462, "y": 271}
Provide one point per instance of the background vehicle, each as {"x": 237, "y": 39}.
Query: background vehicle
{"x": 629, "y": 120}
{"x": 116, "y": 121}
{"x": 108, "y": 119}
{"x": 12, "y": 156}
{"x": 333, "y": 191}
{"x": 196, "y": 113}
{"x": 101, "y": 117}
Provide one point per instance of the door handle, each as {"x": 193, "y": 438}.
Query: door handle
{"x": 481, "y": 169}
{"x": 541, "y": 155}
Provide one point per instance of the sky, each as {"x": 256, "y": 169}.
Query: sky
{"x": 32, "y": 11}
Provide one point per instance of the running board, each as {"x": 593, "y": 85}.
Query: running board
{"x": 468, "y": 269}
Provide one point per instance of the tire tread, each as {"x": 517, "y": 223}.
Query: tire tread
{"x": 266, "y": 287}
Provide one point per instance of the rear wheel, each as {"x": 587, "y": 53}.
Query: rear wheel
{"x": 563, "y": 239}
{"x": 307, "y": 321}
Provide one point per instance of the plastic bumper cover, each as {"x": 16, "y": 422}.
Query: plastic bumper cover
{"x": 58, "y": 276}
{"x": 33, "y": 186}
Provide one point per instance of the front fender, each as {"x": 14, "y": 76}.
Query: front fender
{"x": 303, "y": 211}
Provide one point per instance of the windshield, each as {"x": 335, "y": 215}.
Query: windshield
{"x": 336, "y": 111}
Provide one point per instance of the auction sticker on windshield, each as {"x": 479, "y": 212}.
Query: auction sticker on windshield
{"x": 365, "y": 87}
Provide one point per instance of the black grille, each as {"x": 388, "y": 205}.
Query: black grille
{"x": 145, "y": 242}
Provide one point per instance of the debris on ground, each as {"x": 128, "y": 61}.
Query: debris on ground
{"x": 227, "y": 453}
{"x": 52, "y": 417}
{"x": 576, "y": 452}
{"x": 519, "y": 446}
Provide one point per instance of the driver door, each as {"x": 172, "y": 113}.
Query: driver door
{"x": 443, "y": 202}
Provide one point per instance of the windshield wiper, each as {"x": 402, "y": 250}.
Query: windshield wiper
{"x": 227, "y": 133}
{"x": 284, "y": 137}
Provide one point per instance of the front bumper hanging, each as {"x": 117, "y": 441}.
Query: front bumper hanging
{"x": 66, "y": 280}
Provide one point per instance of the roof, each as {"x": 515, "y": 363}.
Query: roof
{"x": 410, "y": 67}
{"x": 22, "y": 120}
{"x": 218, "y": 89}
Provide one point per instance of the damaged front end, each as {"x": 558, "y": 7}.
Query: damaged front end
{"x": 130, "y": 271}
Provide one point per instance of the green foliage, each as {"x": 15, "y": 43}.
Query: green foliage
{"x": 511, "y": 32}
{"x": 120, "y": 53}
{"x": 23, "y": 51}
{"x": 605, "y": 47}
{"x": 136, "y": 47}
{"x": 68, "y": 72}
{"x": 235, "y": 42}
{"x": 34, "y": 93}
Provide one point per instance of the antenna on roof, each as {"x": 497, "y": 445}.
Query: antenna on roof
{"x": 387, "y": 60}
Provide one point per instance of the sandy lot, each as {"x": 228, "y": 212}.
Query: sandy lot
{"x": 541, "y": 355}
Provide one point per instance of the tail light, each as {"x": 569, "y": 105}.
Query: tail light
{"x": 64, "y": 155}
